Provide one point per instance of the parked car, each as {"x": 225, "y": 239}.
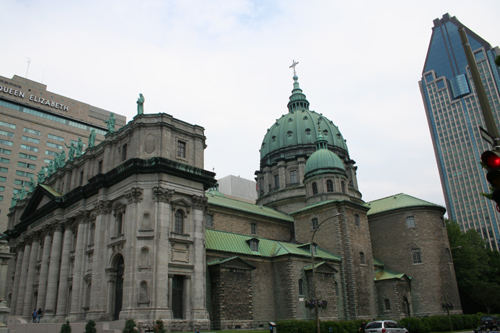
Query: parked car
{"x": 385, "y": 326}
{"x": 490, "y": 322}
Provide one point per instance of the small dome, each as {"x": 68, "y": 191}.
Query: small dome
{"x": 323, "y": 161}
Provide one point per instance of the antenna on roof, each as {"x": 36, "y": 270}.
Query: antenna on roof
{"x": 27, "y": 69}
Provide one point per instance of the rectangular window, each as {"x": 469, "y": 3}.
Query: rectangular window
{"x": 9, "y": 134}
{"x": 356, "y": 220}
{"x": 2, "y": 188}
{"x": 27, "y": 156}
{"x": 5, "y": 151}
{"x": 6, "y": 142}
{"x": 55, "y": 137}
{"x": 293, "y": 177}
{"x": 4, "y": 170}
{"x": 181, "y": 149}
{"x": 9, "y": 125}
{"x": 362, "y": 259}
{"x": 51, "y": 153}
{"x": 209, "y": 221}
{"x": 24, "y": 173}
{"x": 314, "y": 224}
{"x": 30, "y": 148}
{"x": 99, "y": 167}
{"x": 47, "y": 160}
{"x": 417, "y": 256}
{"x": 19, "y": 182}
{"x": 31, "y": 131}
{"x": 410, "y": 222}
{"x": 4, "y": 160}
{"x": 1, "y": 197}
{"x": 26, "y": 165}
{"x": 253, "y": 228}
{"x": 54, "y": 145}
{"x": 254, "y": 245}
{"x": 3, "y": 179}
{"x": 32, "y": 140}
{"x": 276, "y": 181}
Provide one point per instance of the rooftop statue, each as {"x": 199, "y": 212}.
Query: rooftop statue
{"x": 62, "y": 158}
{"x": 22, "y": 193}
{"x": 51, "y": 168}
{"x": 111, "y": 123}
{"x": 32, "y": 184}
{"x": 91, "y": 139}
{"x": 14, "y": 199}
{"x": 140, "y": 104}
{"x": 71, "y": 151}
{"x": 41, "y": 175}
{"x": 79, "y": 147}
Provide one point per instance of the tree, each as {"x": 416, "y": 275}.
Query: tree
{"x": 477, "y": 270}
{"x": 90, "y": 327}
{"x": 65, "y": 328}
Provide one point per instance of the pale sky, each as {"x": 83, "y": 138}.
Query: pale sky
{"x": 224, "y": 65}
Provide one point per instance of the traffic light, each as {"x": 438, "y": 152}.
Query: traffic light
{"x": 491, "y": 161}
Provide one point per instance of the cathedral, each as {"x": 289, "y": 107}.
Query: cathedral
{"x": 136, "y": 228}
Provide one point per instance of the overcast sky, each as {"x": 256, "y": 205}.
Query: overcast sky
{"x": 224, "y": 65}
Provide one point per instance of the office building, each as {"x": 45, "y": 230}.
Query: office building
{"x": 35, "y": 126}
{"x": 454, "y": 116}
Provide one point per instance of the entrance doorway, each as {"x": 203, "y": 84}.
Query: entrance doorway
{"x": 177, "y": 296}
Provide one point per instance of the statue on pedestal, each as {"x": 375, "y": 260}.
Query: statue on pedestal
{"x": 140, "y": 104}
{"x": 111, "y": 123}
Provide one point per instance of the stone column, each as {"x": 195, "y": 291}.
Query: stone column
{"x": 170, "y": 285}
{"x": 53, "y": 280}
{"x": 24, "y": 277}
{"x": 198, "y": 281}
{"x": 30, "y": 279}
{"x": 77, "y": 301}
{"x": 17, "y": 279}
{"x": 98, "y": 293}
{"x": 187, "y": 296}
{"x": 44, "y": 271}
{"x": 162, "y": 225}
{"x": 5, "y": 257}
{"x": 62, "y": 294}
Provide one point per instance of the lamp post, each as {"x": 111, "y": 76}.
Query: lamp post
{"x": 447, "y": 306}
{"x": 312, "y": 269}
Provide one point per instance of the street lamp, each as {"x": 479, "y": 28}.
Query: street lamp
{"x": 446, "y": 306}
{"x": 312, "y": 268}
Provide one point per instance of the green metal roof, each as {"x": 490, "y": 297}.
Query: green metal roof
{"x": 383, "y": 274}
{"x": 317, "y": 204}
{"x": 246, "y": 207}
{"x": 235, "y": 243}
{"x": 299, "y": 127}
{"x": 398, "y": 201}
{"x": 324, "y": 161}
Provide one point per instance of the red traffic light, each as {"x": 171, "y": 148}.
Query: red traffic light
{"x": 491, "y": 159}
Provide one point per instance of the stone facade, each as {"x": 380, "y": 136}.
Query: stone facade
{"x": 128, "y": 230}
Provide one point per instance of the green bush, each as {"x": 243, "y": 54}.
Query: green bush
{"x": 159, "y": 327}
{"x": 65, "y": 328}
{"x": 90, "y": 327}
{"x": 415, "y": 325}
{"x": 130, "y": 326}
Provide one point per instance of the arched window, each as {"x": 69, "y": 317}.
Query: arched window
{"x": 315, "y": 188}
{"x": 179, "y": 222}
{"x": 146, "y": 222}
{"x": 387, "y": 304}
{"x": 144, "y": 257}
{"x": 343, "y": 187}
{"x": 301, "y": 287}
{"x": 362, "y": 259}
{"x": 329, "y": 185}
{"x": 119, "y": 224}
{"x": 92, "y": 234}
{"x": 143, "y": 292}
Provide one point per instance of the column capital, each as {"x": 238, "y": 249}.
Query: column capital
{"x": 200, "y": 202}
{"x": 162, "y": 194}
{"x": 103, "y": 207}
{"x": 134, "y": 194}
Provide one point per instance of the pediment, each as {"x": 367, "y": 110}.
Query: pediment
{"x": 322, "y": 267}
{"x": 44, "y": 199}
{"x": 181, "y": 203}
{"x": 232, "y": 262}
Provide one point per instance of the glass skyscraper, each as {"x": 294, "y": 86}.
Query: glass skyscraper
{"x": 454, "y": 116}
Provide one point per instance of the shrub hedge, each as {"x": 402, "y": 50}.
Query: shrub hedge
{"x": 414, "y": 325}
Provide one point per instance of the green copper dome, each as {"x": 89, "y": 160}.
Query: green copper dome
{"x": 295, "y": 132}
{"x": 323, "y": 160}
